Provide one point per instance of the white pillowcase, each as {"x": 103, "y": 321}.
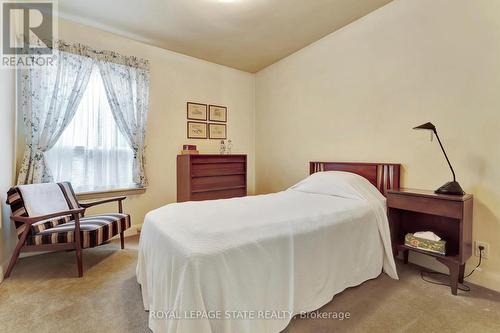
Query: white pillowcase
{"x": 337, "y": 183}
{"x": 43, "y": 199}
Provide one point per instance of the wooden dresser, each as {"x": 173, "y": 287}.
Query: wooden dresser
{"x": 208, "y": 177}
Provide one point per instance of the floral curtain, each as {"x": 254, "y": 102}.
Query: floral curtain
{"x": 127, "y": 89}
{"x": 48, "y": 98}
{"x": 92, "y": 153}
{"x": 105, "y": 56}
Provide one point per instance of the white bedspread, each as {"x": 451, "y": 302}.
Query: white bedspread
{"x": 284, "y": 253}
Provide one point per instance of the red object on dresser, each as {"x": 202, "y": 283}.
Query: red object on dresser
{"x": 209, "y": 177}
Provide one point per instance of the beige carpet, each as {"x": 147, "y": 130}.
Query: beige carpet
{"x": 44, "y": 295}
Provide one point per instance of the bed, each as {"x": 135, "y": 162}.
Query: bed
{"x": 250, "y": 264}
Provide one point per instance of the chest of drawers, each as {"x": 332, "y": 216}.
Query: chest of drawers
{"x": 208, "y": 177}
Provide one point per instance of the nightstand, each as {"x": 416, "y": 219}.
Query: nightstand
{"x": 448, "y": 216}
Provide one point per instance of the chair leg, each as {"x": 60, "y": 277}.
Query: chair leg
{"x": 17, "y": 250}
{"x": 78, "y": 246}
{"x": 122, "y": 240}
{"x": 13, "y": 260}
{"x": 79, "y": 262}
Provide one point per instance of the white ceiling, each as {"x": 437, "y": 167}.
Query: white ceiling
{"x": 244, "y": 34}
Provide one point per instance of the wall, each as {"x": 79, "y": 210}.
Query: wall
{"x": 175, "y": 79}
{"x": 7, "y": 96}
{"x": 355, "y": 95}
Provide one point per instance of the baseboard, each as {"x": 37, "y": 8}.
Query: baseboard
{"x": 132, "y": 231}
{"x": 481, "y": 278}
{"x": 486, "y": 279}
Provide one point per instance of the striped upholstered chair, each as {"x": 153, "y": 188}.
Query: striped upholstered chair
{"x": 48, "y": 217}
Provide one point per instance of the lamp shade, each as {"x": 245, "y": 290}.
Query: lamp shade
{"x": 426, "y": 126}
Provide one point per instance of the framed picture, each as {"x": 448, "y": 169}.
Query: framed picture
{"x": 217, "y": 113}
{"x": 217, "y": 131}
{"x": 196, "y": 130}
{"x": 196, "y": 111}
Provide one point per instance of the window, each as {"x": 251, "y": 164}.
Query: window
{"x": 92, "y": 153}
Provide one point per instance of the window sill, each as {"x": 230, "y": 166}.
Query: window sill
{"x": 110, "y": 193}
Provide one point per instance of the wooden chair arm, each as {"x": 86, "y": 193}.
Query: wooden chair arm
{"x": 34, "y": 219}
{"x": 100, "y": 202}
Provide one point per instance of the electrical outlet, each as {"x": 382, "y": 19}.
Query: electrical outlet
{"x": 486, "y": 250}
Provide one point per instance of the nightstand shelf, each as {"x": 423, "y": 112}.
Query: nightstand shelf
{"x": 402, "y": 247}
{"x": 450, "y": 217}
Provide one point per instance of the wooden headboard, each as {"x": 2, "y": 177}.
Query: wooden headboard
{"x": 384, "y": 176}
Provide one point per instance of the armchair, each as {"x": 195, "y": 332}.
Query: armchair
{"x": 56, "y": 229}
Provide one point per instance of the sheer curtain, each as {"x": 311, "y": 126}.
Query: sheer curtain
{"x": 127, "y": 88}
{"x": 49, "y": 97}
{"x": 92, "y": 153}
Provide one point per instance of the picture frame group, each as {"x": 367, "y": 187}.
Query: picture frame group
{"x": 206, "y": 121}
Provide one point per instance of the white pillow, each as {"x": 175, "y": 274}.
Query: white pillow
{"x": 337, "y": 183}
{"x": 43, "y": 199}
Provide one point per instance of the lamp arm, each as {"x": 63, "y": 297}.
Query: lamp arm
{"x": 446, "y": 156}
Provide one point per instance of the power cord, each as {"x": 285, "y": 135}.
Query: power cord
{"x": 461, "y": 286}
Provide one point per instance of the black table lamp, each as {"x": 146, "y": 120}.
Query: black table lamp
{"x": 453, "y": 187}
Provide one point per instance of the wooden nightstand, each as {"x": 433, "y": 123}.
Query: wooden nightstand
{"x": 450, "y": 217}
